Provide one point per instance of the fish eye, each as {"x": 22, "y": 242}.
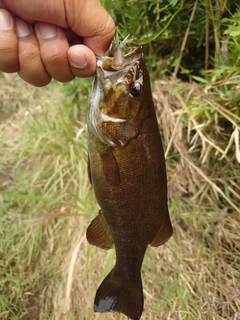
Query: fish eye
{"x": 136, "y": 89}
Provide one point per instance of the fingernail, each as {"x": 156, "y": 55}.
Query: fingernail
{"x": 5, "y": 20}
{"x": 47, "y": 30}
{"x": 78, "y": 60}
{"x": 22, "y": 28}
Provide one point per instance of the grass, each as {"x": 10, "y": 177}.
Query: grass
{"x": 44, "y": 158}
{"x": 48, "y": 270}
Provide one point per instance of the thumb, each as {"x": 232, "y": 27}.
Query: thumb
{"x": 91, "y": 21}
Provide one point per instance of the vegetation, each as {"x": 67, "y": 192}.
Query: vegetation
{"x": 47, "y": 269}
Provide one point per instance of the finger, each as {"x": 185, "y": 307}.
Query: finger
{"x": 45, "y": 11}
{"x": 54, "y": 51}
{"x": 82, "y": 61}
{"x": 32, "y": 69}
{"x": 2, "y": 5}
{"x": 96, "y": 26}
{"x": 8, "y": 43}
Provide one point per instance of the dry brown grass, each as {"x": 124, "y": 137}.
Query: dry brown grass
{"x": 196, "y": 275}
{"x": 199, "y": 132}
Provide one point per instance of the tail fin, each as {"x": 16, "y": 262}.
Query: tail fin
{"x": 122, "y": 295}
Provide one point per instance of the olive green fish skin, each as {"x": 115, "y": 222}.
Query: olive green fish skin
{"x": 128, "y": 175}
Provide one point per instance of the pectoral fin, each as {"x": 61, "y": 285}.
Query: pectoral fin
{"x": 164, "y": 233}
{"x": 110, "y": 168}
{"x": 98, "y": 233}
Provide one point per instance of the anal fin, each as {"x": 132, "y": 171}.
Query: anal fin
{"x": 164, "y": 233}
{"x": 98, "y": 233}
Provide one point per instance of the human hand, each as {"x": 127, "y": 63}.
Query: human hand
{"x": 53, "y": 39}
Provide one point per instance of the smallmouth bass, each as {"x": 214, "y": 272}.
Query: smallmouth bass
{"x": 128, "y": 174}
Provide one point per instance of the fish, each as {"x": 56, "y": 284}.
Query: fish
{"x": 127, "y": 170}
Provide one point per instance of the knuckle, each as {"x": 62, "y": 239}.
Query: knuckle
{"x": 8, "y": 55}
{"x": 42, "y": 79}
{"x": 53, "y": 56}
{"x": 9, "y": 64}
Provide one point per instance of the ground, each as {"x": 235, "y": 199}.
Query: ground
{"x": 47, "y": 268}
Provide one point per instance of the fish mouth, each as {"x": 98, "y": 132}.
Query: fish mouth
{"x": 112, "y": 65}
{"x": 110, "y": 72}
{"x": 107, "y": 118}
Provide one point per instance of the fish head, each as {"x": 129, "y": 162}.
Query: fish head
{"x": 119, "y": 94}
